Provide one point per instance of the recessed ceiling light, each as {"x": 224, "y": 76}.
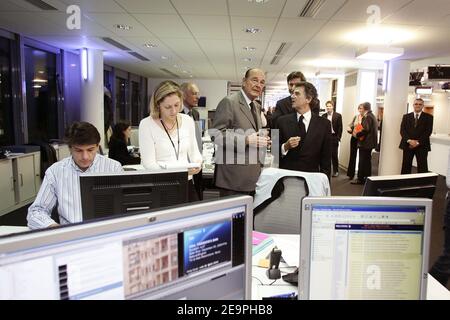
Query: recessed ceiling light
{"x": 123, "y": 26}
{"x": 258, "y": 1}
{"x": 41, "y": 72}
{"x": 185, "y": 71}
{"x": 164, "y": 57}
{"x": 176, "y": 66}
{"x": 249, "y": 48}
{"x": 150, "y": 45}
{"x": 247, "y": 59}
{"x": 252, "y": 30}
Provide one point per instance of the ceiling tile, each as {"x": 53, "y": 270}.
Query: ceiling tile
{"x": 294, "y": 7}
{"x": 147, "y": 6}
{"x": 103, "y": 6}
{"x": 109, "y": 20}
{"x": 246, "y": 8}
{"x": 209, "y": 27}
{"x": 201, "y": 7}
{"x": 168, "y": 26}
{"x": 298, "y": 30}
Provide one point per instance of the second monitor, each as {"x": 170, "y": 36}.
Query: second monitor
{"x": 104, "y": 195}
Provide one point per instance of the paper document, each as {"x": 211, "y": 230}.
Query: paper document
{"x": 289, "y": 246}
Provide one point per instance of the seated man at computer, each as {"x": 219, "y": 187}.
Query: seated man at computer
{"x": 61, "y": 184}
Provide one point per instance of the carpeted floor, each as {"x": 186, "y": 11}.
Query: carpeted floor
{"x": 340, "y": 186}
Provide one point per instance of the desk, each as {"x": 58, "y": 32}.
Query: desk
{"x": 290, "y": 244}
{"x": 4, "y": 230}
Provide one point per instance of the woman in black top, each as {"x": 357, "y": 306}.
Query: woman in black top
{"x": 118, "y": 144}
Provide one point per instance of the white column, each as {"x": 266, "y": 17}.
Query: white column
{"x": 91, "y": 109}
{"x": 395, "y": 106}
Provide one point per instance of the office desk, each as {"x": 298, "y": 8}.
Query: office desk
{"x": 4, "y": 230}
{"x": 289, "y": 245}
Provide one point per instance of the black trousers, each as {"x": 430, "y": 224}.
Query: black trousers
{"x": 198, "y": 184}
{"x": 192, "y": 193}
{"x": 334, "y": 153}
{"x": 352, "y": 160}
{"x": 365, "y": 164}
{"x": 421, "y": 157}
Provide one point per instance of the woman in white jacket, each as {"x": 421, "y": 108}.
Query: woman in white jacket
{"x": 167, "y": 137}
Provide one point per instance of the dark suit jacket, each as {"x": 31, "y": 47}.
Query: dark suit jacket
{"x": 245, "y": 167}
{"x": 118, "y": 151}
{"x": 314, "y": 153}
{"x": 336, "y": 122}
{"x": 283, "y": 106}
{"x": 369, "y": 132}
{"x": 421, "y": 133}
{"x": 198, "y": 130}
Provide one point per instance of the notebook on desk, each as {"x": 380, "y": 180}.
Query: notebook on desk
{"x": 364, "y": 248}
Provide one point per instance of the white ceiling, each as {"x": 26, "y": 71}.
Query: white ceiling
{"x": 205, "y": 38}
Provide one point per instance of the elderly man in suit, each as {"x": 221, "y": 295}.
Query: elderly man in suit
{"x": 284, "y": 106}
{"x": 191, "y": 95}
{"x": 336, "y": 134}
{"x": 304, "y": 136}
{"x": 415, "y": 130}
{"x": 236, "y": 124}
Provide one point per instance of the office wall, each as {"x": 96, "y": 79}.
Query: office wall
{"x": 350, "y": 108}
{"x": 213, "y": 90}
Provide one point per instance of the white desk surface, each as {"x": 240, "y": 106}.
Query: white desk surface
{"x": 290, "y": 244}
{"x": 12, "y": 229}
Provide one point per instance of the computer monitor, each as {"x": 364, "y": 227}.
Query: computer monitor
{"x": 364, "y": 248}
{"x": 107, "y": 194}
{"x": 421, "y": 185}
{"x": 197, "y": 251}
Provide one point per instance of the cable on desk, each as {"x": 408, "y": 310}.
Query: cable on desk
{"x": 258, "y": 280}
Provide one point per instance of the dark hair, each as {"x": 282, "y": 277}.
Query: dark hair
{"x": 296, "y": 74}
{"x": 311, "y": 93}
{"x": 329, "y": 102}
{"x": 119, "y": 128}
{"x": 82, "y": 133}
{"x": 366, "y": 106}
{"x": 419, "y": 99}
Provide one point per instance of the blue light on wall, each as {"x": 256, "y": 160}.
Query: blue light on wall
{"x": 84, "y": 64}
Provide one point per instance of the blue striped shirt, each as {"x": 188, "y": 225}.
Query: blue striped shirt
{"x": 61, "y": 187}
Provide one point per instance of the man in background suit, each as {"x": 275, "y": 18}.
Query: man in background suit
{"x": 415, "y": 130}
{"x": 336, "y": 134}
{"x": 284, "y": 106}
{"x": 237, "y": 121}
{"x": 191, "y": 94}
{"x": 305, "y": 136}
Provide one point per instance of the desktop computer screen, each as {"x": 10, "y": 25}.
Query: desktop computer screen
{"x": 364, "y": 248}
{"x": 106, "y": 194}
{"x": 416, "y": 185}
{"x": 198, "y": 251}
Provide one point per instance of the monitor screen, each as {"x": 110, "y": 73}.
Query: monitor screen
{"x": 201, "y": 102}
{"x": 364, "y": 248}
{"x": 418, "y": 185}
{"x": 103, "y": 195}
{"x": 197, "y": 251}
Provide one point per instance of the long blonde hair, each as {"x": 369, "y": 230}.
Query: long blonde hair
{"x": 164, "y": 89}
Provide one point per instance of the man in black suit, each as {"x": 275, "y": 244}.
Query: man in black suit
{"x": 305, "y": 136}
{"x": 191, "y": 94}
{"x": 415, "y": 130}
{"x": 336, "y": 134}
{"x": 284, "y": 106}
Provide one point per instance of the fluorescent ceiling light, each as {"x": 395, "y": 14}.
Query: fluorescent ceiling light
{"x": 379, "y": 35}
{"x": 424, "y": 90}
{"x": 84, "y": 64}
{"x": 330, "y": 63}
{"x": 382, "y": 53}
{"x": 252, "y": 30}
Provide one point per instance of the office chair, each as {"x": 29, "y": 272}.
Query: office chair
{"x": 282, "y": 215}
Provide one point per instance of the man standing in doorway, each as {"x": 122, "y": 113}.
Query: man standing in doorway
{"x": 236, "y": 122}
{"x": 415, "y": 130}
{"x": 336, "y": 134}
{"x": 191, "y": 95}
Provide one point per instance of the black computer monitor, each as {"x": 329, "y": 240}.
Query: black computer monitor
{"x": 108, "y": 194}
{"x": 418, "y": 185}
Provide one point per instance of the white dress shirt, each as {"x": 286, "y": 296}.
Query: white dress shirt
{"x": 61, "y": 186}
{"x": 306, "y": 120}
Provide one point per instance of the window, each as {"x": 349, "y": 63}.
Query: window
{"x": 121, "y": 98}
{"x": 6, "y": 112}
{"x": 135, "y": 103}
{"x": 42, "y": 109}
